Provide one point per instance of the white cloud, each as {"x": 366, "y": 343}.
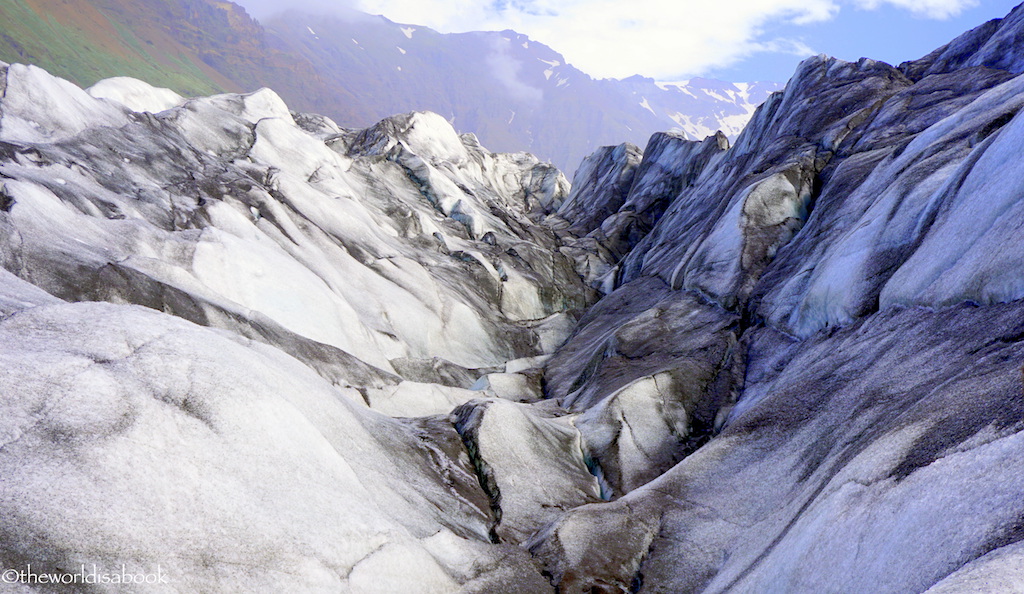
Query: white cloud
{"x": 611, "y": 38}
{"x": 791, "y": 47}
{"x": 506, "y": 69}
{"x": 932, "y": 9}
{"x": 663, "y": 38}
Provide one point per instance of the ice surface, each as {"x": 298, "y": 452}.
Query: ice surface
{"x": 999, "y": 571}
{"x": 418, "y": 399}
{"x": 135, "y": 94}
{"x": 181, "y": 433}
{"x": 953, "y": 256}
{"x": 189, "y": 430}
{"x": 553, "y": 444}
{"x": 267, "y": 281}
{"x": 297, "y": 233}
{"x": 16, "y": 294}
{"x": 964, "y": 256}
{"x": 40, "y": 107}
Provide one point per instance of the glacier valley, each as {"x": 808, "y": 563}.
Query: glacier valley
{"x": 251, "y": 350}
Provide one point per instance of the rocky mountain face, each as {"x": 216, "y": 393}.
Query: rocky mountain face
{"x": 513, "y": 93}
{"x": 251, "y": 350}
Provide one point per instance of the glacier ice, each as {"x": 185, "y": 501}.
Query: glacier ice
{"x": 291, "y": 271}
{"x": 266, "y": 352}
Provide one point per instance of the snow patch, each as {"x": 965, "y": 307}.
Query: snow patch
{"x": 678, "y": 85}
{"x": 408, "y": 31}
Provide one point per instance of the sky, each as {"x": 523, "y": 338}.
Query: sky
{"x": 733, "y": 40}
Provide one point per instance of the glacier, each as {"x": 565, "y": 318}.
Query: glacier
{"x": 236, "y": 319}
{"x": 257, "y": 351}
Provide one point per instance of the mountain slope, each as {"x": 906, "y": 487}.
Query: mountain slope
{"x": 81, "y": 42}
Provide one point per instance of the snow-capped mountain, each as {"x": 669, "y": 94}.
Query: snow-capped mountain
{"x": 243, "y": 348}
{"x": 701, "y": 107}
